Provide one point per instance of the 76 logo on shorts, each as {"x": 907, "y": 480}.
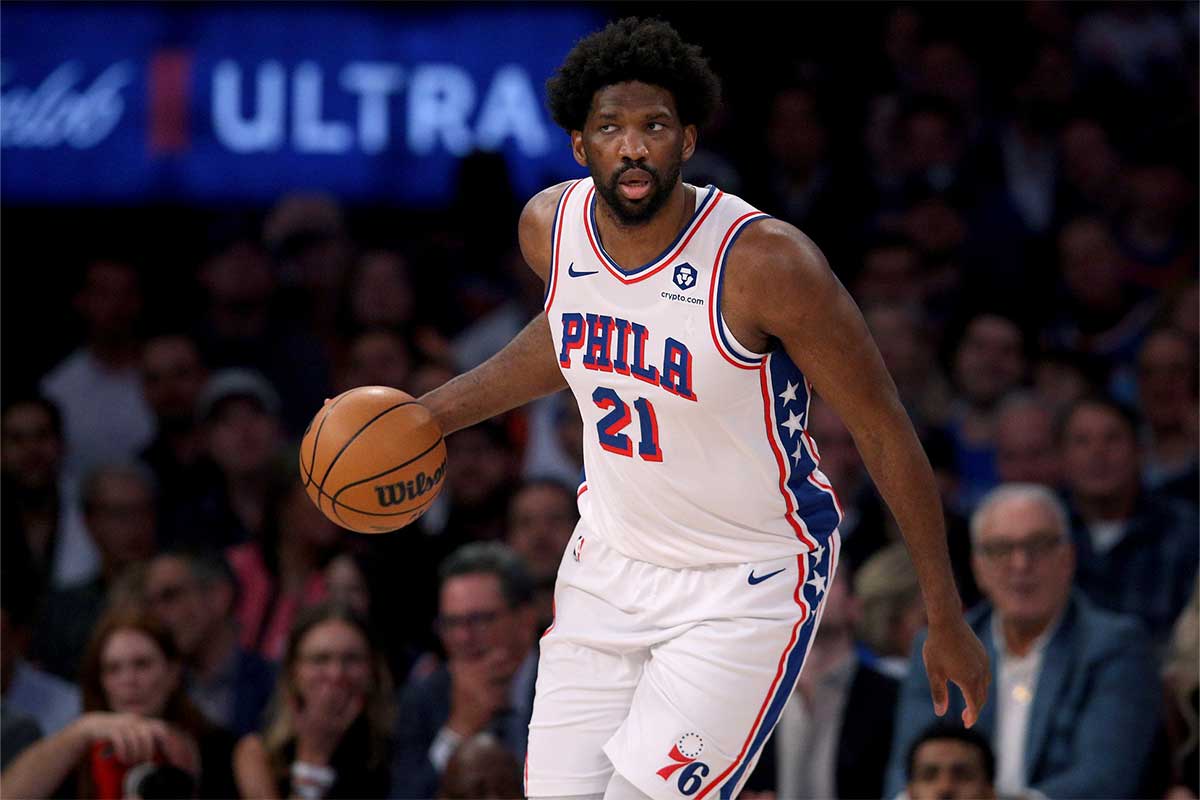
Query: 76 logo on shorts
{"x": 683, "y": 760}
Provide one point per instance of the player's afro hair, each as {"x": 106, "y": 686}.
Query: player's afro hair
{"x": 631, "y": 49}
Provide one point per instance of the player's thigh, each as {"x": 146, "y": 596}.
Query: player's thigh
{"x": 710, "y": 697}
{"x": 583, "y": 696}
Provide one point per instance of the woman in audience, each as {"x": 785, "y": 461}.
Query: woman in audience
{"x": 139, "y": 734}
{"x": 328, "y": 727}
{"x": 282, "y": 571}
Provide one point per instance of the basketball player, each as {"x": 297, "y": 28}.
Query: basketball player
{"x": 692, "y": 330}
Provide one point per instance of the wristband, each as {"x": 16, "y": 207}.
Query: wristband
{"x": 311, "y": 781}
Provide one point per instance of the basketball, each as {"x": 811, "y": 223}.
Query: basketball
{"x": 373, "y": 459}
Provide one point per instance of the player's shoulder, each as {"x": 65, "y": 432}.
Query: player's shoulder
{"x": 770, "y": 248}
{"x": 536, "y": 226}
{"x": 540, "y": 208}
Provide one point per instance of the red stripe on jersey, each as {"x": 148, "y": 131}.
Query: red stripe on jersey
{"x": 587, "y": 227}
{"x": 558, "y": 243}
{"x": 779, "y": 460}
{"x": 713, "y": 311}
{"x": 802, "y": 571}
{"x": 825, "y": 487}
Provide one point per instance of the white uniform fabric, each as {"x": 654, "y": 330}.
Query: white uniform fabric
{"x": 675, "y": 677}
{"x": 695, "y": 448}
{"x": 687, "y": 601}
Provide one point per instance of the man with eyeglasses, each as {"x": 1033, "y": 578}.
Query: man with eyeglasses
{"x": 1077, "y": 692}
{"x": 486, "y": 623}
{"x": 194, "y": 595}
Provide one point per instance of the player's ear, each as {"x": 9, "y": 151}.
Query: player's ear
{"x": 577, "y": 148}
{"x": 689, "y": 141}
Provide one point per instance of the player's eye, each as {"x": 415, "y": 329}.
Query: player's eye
{"x": 607, "y": 128}
{"x": 656, "y": 126}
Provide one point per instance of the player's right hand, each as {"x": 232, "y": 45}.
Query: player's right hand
{"x": 954, "y": 653}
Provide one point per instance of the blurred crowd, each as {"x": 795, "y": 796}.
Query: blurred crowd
{"x": 179, "y": 620}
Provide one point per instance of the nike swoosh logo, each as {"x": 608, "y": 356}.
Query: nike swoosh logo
{"x": 571, "y": 271}
{"x": 754, "y": 580}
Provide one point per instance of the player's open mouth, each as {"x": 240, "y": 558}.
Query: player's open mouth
{"x": 635, "y": 184}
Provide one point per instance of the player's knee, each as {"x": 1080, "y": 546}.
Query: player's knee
{"x": 621, "y": 789}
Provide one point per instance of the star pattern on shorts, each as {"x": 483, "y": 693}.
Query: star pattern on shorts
{"x": 799, "y": 453}
{"x": 793, "y": 423}
{"x": 817, "y": 581}
{"x": 817, "y": 552}
{"x": 788, "y": 395}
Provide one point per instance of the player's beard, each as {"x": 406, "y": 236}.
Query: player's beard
{"x": 631, "y": 213}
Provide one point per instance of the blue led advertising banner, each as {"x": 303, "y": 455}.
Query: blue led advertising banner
{"x": 215, "y": 103}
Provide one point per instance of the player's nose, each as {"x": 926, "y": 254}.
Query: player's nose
{"x": 633, "y": 146}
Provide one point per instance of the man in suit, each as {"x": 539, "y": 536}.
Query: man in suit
{"x": 835, "y": 733}
{"x": 1077, "y": 694}
{"x": 486, "y": 621}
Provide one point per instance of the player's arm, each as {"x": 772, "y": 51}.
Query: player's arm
{"x": 526, "y": 368}
{"x": 780, "y": 287}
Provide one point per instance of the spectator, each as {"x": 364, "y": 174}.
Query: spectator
{"x": 1137, "y": 552}
{"x": 1183, "y": 695}
{"x": 1091, "y": 171}
{"x": 801, "y": 185}
{"x": 135, "y": 713}
{"x": 1062, "y": 377}
{"x": 377, "y": 357}
{"x": 1099, "y": 313}
{"x": 1156, "y": 230}
{"x": 97, "y": 387}
{"x": 486, "y": 622}
{"x": 1076, "y": 693}
{"x": 904, "y": 344}
{"x": 892, "y": 610}
{"x": 173, "y": 375}
{"x": 193, "y": 596}
{"x": 950, "y": 763}
{"x": 243, "y": 328}
{"x": 1167, "y": 389}
{"x": 1026, "y": 450}
{"x": 48, "y": 701}
{"x": 43, "y": 527}
{"x": 239, "y": 416}
{"x": 480, "y": 472}
{"x": 989, "y": 362}
{"x": 379, "y": 293}
{"x": 481, "y": 768}
{"x": 17, "y": 732}
{"x": 834, "y": 735}
{"x": 326, "y": 733}
{"x": 119, "y": 510}
{"x": 282, "y": 571}
{"x": 541, "y": 518}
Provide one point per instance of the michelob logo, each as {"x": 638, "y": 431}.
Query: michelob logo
{"x": 395, "y": 493}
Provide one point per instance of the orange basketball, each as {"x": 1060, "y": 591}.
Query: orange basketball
{"x": 373, "y": 459}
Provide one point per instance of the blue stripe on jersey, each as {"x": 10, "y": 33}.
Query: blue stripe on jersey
{"x": 739, "y": 353}
{"x": 795, "y": 661}
{"x": 712, "y": 190}
{"x": 814, "y": 505}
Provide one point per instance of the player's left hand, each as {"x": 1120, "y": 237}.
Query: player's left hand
{"x": 954, "y": 653}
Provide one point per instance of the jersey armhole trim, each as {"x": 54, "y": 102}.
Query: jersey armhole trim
{"x": 555, "y": 241}
{"x": 726, "y": 343}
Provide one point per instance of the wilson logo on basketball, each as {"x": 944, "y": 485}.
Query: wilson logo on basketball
{"x": 394, "y": 493}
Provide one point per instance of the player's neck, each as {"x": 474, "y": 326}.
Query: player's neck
{"x": 633, "y": 245}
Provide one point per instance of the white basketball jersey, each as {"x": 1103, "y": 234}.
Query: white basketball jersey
{"x": 695, "y": 448}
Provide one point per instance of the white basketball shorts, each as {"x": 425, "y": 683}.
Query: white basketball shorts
{"x": 674, "y": 677}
